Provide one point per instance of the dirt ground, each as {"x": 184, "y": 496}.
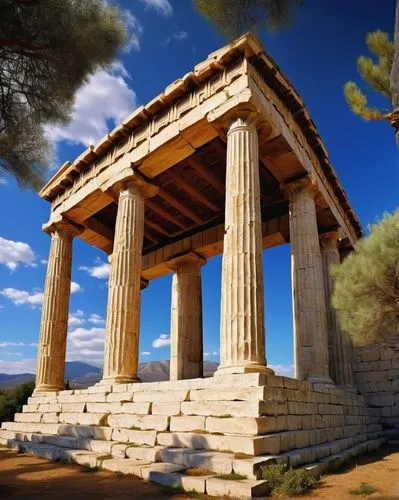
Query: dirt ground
{"x": 23, "y": 476}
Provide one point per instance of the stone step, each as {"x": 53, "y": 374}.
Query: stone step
{"x": 27, "y": 427}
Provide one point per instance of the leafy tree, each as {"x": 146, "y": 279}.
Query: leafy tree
{"x": 12, "y": 400}
{"x": 234, "y": 17}
{"x": 48, "y": 49}
{"x": 377, "y": 74}
{"x": 366, "y": 291}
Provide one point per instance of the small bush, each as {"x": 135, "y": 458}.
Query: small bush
{"x": 290, "y": 482}
{"x": 233, "y": 476}
{"x": 364, "y": 489}
{"x": 298, "y": 481}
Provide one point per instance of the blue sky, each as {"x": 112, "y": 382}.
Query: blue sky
{"x": 167, "y": 38}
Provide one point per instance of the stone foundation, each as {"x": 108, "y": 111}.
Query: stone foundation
{"x": 235, "y": 423}
{"x": 377, "y": 377}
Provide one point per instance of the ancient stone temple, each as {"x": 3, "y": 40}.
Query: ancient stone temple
{"x": 225, "y": 161}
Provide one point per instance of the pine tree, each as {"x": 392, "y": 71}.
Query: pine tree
{"x": 366, "y": 292}
{"x": 377, "y": 74}
{"x": 234, "y": 17}
{"x": 48, "y": 49}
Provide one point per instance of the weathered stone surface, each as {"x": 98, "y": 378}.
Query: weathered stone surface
{"x": 152, "y": 471}
{"x": 228, "y": 394}
{"x": 124, "y": 465}
{"x": 28, "y": 417}
{"x": 239, "y": 489}
{"x": 73, "y": 407}
{"x": 101, "y": 446}
{"x": 246, "y": 426}
{"x": 144, "y": 422}
{"x": 161, "y": 396}
{"x": 172, "y": 408}
{"x": 187, "y": 424}
{"x": 134, "y": 436}
{"x": 223, "y": 408}
{"x": 216, "y": 462}
{"x": 86, "y": 458}
{"x": 146, "y": 454}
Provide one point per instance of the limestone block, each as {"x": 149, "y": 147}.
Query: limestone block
{"x": 168, "y": 479}
{"x": 101, "y": 446}
{"x": 145, "y": 422}
{"x": 144, "y": 453}
{"x": 30, "y": 408}
{"x": 295, "y": 422}
{"x": 172, "y": 408}
{"x": 302, "y": 439}
{"x": 221, "y": 463}
{"x": 136, "y": 408}
{"x": 371, "y": 354}
{"x": 381, "y": 399}
{"x": 49, "y": 408}
{"x": 82, "y": 457}
{"x": 194, "y": 483}
{"x": 251, "y": 467}
{"x": 104, "y": 408}
{"x": 43, "y": 451}
{"x": 245, "y": 488}
{"x": 50, "y": 418}
{"x": 228, "y": 394}
{"x": 149, "y": 472}
{"x": 133, "y": 436}
{"x": 27, "y": 427}
{"x": 100, "y": 388}
{"x": 63, "y": 441}
{"x": 187, "y": 424}
{"x": 118, "y": 450}
{"x": 221, "y": 408}
{"x": 27, "y": 417}
{"x": 73, "y": 407}
{"x": 175, "y": 455}
{"x": 92, "y": 418}
{"x": 69, "y": 418}
{"x": 119, "y": 397}
{"x": 124, "y": 465}
{"x": 161, "y": 396}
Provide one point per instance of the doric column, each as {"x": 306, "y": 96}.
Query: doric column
{"x": 242, "y": 322}
{"x": 186, "y": 358}
{"x": 123, "y": 310}
{"x": 310, "y": 317}
{"x": 54, "y": 322}
{"x": 339, "y": 344}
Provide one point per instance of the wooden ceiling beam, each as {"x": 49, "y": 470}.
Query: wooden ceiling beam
{"x": 179, "y": 206}
{"x": 207, "y": 174}
{"x": 99, "y": 228}
{"x": 180, "y": 182}
{"x": 157, "y": 228}
{"x": 150, "y": 237}
{"x": 166, "y": 215}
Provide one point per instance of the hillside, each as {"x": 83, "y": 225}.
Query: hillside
{"x": 82, "y": 375}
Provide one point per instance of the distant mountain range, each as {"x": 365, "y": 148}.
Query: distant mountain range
{"x": 81, "y": 375}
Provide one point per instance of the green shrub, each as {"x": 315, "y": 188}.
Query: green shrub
{"x": 364, "y": 489}
{"x": 290, "y": 482}
{"x": 12, "y": 400}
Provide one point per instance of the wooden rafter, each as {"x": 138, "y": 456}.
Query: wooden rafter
{"x": 157, "y": 228}
{"x": 188, "y": 188}
{"x": 179, "y": 206}
{"x": 207, "y": 174}
{"x": 166, "y": 215}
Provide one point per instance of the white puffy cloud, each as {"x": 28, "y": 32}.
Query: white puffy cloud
{"x": 162, "y": 341}
{"x": 134, "y": 31}
{"x": 75, "y": 287}
{"x": 100, "y": 270}
{"x": 285, "y": 371}
{"x": 13, "y": 253}
{"x": 96, "y": 319}
{"x": 3, "y": 180}
{"x": 76, "y": 318}
{"x": 177, "y": 37}
{"x": 86, "y": 344}
{"x": 105, "y": 97}
{"x": 162, "y": 7}
{"x": 20, "y": 366}
{"x": 20, "y": 297}
{"x": 145, "y": 353}
{"x": 11, "y": 344}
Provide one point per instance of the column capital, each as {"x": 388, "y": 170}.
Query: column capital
{"x": 61, "y": 226}
{"x": 297, "y": 187}
{"x": 242, "y": 121}
{"x": 129, "y": 182}
{"x": 329, "y": 240}
{"x": 191, "y": 258}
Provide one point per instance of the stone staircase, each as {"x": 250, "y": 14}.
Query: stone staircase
{"x": 166, "y": 431}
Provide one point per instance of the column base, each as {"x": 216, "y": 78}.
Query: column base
{"x": 321, "y": 379}
{"x": 119, "y": 380}
{"x": 48, "y": 388}
{"x": 254, "y": 368}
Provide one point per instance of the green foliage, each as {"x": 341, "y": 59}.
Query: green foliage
{"x": 366, "y": 291}
{"x": 233, "y": 476}
{"x": 364, "y": 489}
{"x": 290, "y": 482}
{"x": 12, "y": 400}
{"x": 375, "y": 74}
{"x": 234, "y": 17}
{"x": 48, "y": 49}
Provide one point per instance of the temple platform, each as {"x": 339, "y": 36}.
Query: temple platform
{"x": 223, "y": 424}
